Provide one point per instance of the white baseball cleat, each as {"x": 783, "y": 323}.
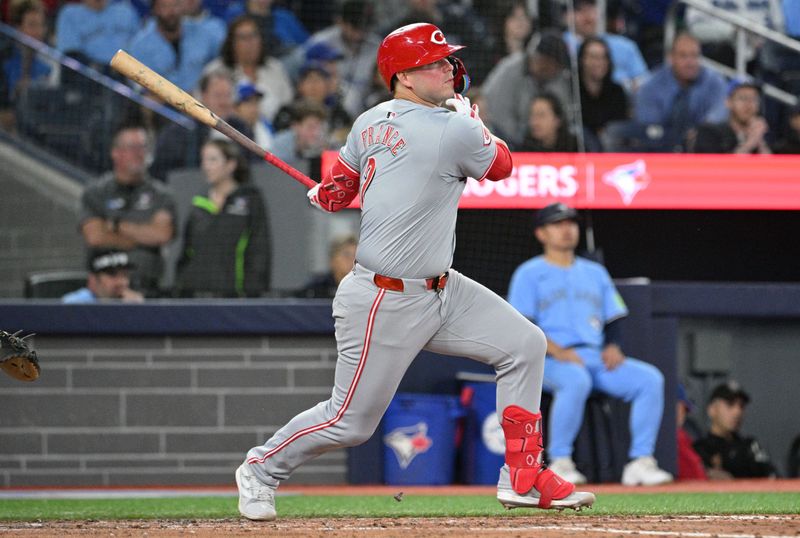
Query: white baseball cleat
{"x": 256, "y": 499}
{"x": 644, "y": 471}
{"x": 509, "y": 498}
{"x": 565, "y": 468}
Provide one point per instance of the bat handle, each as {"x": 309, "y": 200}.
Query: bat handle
{"x": 296, "y": 174}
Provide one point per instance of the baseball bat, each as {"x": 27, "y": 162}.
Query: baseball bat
{"x": 136, "y": 71}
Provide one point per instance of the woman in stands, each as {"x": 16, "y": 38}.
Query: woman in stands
{"x": 226, "y": 243}
{"x": 246, "y": 55}
{"x": 602, "y": 99}
{"x": 548, "y": 130}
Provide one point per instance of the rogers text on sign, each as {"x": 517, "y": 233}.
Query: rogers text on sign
{"x": 530, "y": 181}
{"x": 638, "y": 181}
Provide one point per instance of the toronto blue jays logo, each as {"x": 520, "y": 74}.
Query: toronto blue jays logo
{"x": 408, "y": 442}
{"x": 628, "y": 179}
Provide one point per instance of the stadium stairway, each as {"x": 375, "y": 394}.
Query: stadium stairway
{"x": 38, "y": 219}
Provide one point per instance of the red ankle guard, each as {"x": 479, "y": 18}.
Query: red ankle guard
{"x": 523, "y": 433}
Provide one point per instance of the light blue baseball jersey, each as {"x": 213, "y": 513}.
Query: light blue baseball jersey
{"x": 412, "y": 160}
{"x": 572, "y": 304}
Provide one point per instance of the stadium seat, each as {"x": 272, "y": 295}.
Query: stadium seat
{"x": 53, "y": 284}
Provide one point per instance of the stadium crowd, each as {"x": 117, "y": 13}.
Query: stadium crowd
{"x": 310, "y": 68}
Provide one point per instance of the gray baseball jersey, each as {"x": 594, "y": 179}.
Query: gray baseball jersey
{"x": 420, "y": 157}
{"x": 411, "y": 159}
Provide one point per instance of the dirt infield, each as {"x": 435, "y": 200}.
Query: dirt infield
{"x": 540, "y": 524}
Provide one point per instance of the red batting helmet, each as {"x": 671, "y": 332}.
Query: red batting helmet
{"x": 410, "y": 46}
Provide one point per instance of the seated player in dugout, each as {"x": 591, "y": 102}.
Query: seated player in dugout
{"x": 575, "y": 303}
{"x": 407, "y": 159}
{"x": 727, "y": 453}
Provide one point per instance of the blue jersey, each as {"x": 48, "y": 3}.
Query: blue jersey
{"x": 571, "y": 305}
{"x": 81, "y": 296}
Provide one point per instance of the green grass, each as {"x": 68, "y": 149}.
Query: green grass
{"x": 386, "y": 506}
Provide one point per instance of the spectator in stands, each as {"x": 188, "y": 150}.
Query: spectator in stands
{"x": 726, "y": 454}
{"x": 94, "y": 30}
{"x": 790, "y": 143}
{"x": 351, "y": 36}
{"x": 718, "y": 37}
{"x": 681, "y": 94}
{"x": 512, "y": 28}
{"x": 178, "y": 147}
{"x": 173, "y": 47}
{"x": 246, "y": 56}
{"x": 460, "y": 24}
{"x": 690, "y": 465}
{"x": 341, "y": 258}
{"x": 195, "y": 12}
{"x": 745, "y": 130}
{"x": 602, "y": 100}
{"x": 248, "y": 108}
{"x": 325, "y": 55}
{"x": 109, "y": 279}
{"x": 126, "y": 210}
{"x": 226, "y": 243}
{"x": 521, "y": 76}
{"x": 21, "y": 65}
{"x": 280, "y": 29}
{"x": 629, "y": 67}
{"x": 575, "y": 303}
{"x": 315, "y": 85}
{"x": 548, "y": 130}
{"x": 302, "y": 144}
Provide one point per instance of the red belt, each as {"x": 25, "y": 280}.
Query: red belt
{"x": 396, "y": 284}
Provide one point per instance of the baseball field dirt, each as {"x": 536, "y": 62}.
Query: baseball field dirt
{"x": 532, "y": 523}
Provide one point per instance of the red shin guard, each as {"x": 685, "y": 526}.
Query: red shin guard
{"x": 523, "y": 433}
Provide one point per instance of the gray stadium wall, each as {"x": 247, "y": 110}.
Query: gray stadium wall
{"x": 172, "y": 392}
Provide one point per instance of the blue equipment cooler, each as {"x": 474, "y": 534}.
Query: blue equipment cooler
{"x": 484, "y": 443}
{"x": 419, "y": 439}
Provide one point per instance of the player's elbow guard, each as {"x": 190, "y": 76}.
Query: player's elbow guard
{"x": 338, "y": 188}
{"x": 502, "y": 165}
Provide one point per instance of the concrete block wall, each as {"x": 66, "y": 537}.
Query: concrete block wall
{"x": 159, "y": 410}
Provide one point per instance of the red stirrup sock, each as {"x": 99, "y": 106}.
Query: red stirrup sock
{"x": 523, "y": 433}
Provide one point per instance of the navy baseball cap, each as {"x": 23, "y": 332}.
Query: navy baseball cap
{"x": 729, "y": 391}
{"x": 322, "y": 52}
{"x": 245, "y": 90}
{"x": 555, "y": 213}
{"x": 108, "y": 260}
{"x": 313, "y": 66}
{"x": 737, "y": 83}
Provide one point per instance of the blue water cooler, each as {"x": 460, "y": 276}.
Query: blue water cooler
{"x": 419, "y": 439}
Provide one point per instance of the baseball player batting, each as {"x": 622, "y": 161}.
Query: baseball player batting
{"x": 407, "y": 160}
